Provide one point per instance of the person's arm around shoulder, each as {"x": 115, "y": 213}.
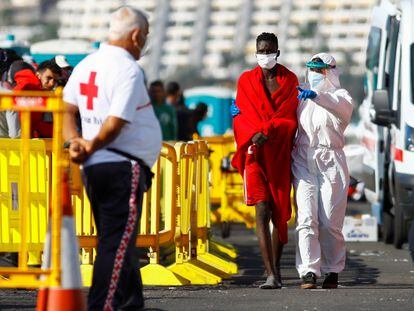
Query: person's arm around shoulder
{"x": 339, "y": 103}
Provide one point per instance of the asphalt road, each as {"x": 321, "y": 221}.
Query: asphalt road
{"x": 377, "y": 277}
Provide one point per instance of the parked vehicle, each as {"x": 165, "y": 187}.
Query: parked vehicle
{"x": 387, "y": 114}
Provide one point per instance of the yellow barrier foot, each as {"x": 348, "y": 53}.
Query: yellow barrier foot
{"x": 225, "y": 248}
{"x": 35, "y": 259}
{"x": 218, "y": 263}
{"x": 20, "y": 281}
{"x": 157, "y": 275}
{"x": 196, "y": 275}
{"x": 86, "y": 272}
{"x": 211, "y": 268}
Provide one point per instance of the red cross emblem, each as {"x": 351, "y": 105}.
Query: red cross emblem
{"x": 90, "y": 90}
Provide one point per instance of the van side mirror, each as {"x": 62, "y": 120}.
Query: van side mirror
{"x": 380, "y": 112}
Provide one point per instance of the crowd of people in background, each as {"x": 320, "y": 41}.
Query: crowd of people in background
{"x": 178, "y": 122}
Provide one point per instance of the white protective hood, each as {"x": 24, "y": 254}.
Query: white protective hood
{"x": 332, "y": 78}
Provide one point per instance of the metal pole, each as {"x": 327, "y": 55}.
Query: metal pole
{"x": 24, "y": 186}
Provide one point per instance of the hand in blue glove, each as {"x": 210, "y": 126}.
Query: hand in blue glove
{"x": 306, "y": 94}
{"x": 234, "y": 110}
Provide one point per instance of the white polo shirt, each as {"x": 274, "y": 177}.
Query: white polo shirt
{"x": 106, "y": 83}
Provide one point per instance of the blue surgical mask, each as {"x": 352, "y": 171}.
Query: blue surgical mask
{"x": 315, "y": 79}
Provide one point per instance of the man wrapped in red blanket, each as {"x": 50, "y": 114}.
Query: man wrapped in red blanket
{"x": 265, "y": 124}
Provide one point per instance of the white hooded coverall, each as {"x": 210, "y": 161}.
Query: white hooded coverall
{"x": 321, "y": 176}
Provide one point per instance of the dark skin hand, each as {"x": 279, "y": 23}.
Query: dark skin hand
{"x": 259, "y": 139}
{"x": 266, "y": 47}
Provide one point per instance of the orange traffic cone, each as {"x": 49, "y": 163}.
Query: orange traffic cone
{"x": 69, "y": 296}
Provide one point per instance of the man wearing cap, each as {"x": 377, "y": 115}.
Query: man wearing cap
{"x": 121, "y": 141}
{"x": 320, "y": 173}
{"x": 67, "y": 69}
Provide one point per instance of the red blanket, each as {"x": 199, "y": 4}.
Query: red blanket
{"x": 275, "y": 116}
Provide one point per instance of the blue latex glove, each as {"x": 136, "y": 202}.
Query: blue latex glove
{"x": 306, "y": 94}
{"x": 234, "y": 110}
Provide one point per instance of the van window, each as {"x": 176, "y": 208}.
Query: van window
{"x": 373, "y": 50}
{"x": 393, "y": 30}
{"x": 399, "y": 89}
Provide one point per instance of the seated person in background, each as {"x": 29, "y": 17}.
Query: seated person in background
{"x": 7, "y": 57}
{"x": 48, "y": 73}
{"x": 9, "y": 120}
{"x": 165, "y": 114}
{"x": 22, "y": 77}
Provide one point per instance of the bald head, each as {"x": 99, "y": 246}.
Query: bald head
{"x": 128, "y": 28}
{"x": 124, "y": 20}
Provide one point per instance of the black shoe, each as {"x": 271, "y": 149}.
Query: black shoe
{"x": 331, "y": 281}
{"x": 309, "y": 281}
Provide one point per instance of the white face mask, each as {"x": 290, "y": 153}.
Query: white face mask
{"x": 315, "y": 79}
{"x": 267, "y": 61}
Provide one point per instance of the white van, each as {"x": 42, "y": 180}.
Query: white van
{"x": 387, "y": 115}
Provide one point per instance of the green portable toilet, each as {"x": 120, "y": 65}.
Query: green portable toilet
{"x": 218, "y": 100}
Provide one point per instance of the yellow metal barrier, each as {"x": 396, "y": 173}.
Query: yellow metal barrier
{"x": 31, "y": 193}
{"x": 203, "y": 215}
{"x": 11, "y": 191}
{"x": 155, "y": 232}
{"x": 227, "y": 186}
{"x": 175, "y": 212}
{"x": 227, "y": 190}
{"x": 187, "y": 264}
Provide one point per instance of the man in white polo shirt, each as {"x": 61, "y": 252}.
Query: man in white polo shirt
{"x": 121, "y": 140}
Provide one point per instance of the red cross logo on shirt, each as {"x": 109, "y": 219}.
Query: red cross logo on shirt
{"x": 90, "y": 90}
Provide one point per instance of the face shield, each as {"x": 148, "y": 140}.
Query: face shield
{"x": 315, "y": 73}
{"x": 321, "y": 73}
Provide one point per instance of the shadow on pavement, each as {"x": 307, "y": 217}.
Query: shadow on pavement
{"x": 358, "y": 273}
{"x": 251, "y": 271}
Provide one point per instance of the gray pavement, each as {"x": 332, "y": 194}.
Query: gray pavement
{"x": 377, "y": 277}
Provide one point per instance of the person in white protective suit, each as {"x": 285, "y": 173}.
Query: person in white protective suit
{"x": 320, "y": 173}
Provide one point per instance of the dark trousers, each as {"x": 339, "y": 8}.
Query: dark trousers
{"x": 115, "y": 191}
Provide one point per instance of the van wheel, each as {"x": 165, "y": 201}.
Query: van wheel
{"x": 387, "y": 227}
{"x": 411, "y": 238}
{"x": 399, "y": 227}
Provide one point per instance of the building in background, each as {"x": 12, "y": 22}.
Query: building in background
{"x": 217, "y": 37}
{"x": 28, "y": 20}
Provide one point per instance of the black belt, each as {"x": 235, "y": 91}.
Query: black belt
{"x": 148, "y": 173}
